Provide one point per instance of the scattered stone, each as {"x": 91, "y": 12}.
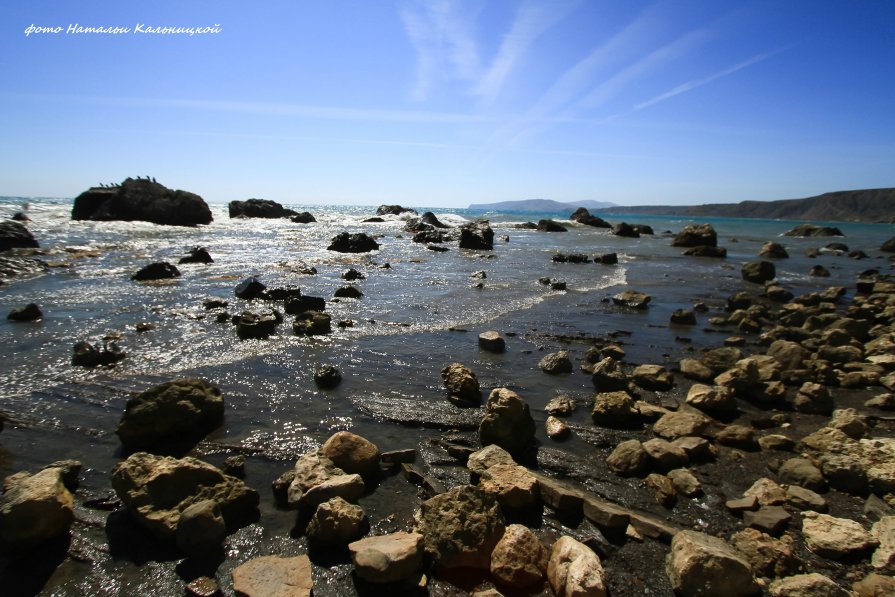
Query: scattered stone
{"x": 462, "y": 385}
{"x": 519, "y": 560}
{"x": 85, "y": 354}
{"x": 251, "y": 325}
{"x": 632, "y": 299}
{"x": 819, "y": 271}
{"x": 834, "y": 538}
{"x": 197, "y": 255}
{"x": 492, "y": 341}
{"x": 850, "y": 422}
{"x": 353, "y": 243}
{"x": 767, "y": 492}
{"x": 249, "y": 289}
{"x": 773, "y": 250}
{"x": 583, "y": 216}
{"x": 768, "y": 519}
{"x": 156, "y": 271}
{"x": 514, "y": 488}
{"x": 312, "y": 323}
{"x": 768, "y": 556}
{"x": 507, "y": 421}
{"x": 387, "y": 558}
{"x": 664, "y": 455}
{"x": 802, "y": 472}
{"x": 742, "y": 505}
{"x": 737, "y": 436}
{"x": 352, "y": 453}
{"x": 806, "y": 585}
{"x": 652, "y": 377}
{"x": 461, "y": 527}
{"x": 33, "y": 509}
{"x": 679, "y": 424}
{"x": 685, "y": 482}
{"x": 695, "y": 235}
{"x": 697, "y": 449}
{"x": 273, "y": 576}
{"x": 30, "y": 312}
{"x": 336, "y": 523}
{"x": 615, "y": 409}
{"x": 758, "y": 272}
{"x": 701, "y": 565}
{"x": 883, "y": 531}
{"x": 201, "y": 529}
{"x": 203, "y": 586}
{"x": 561, "y": 406}
{"x": 557, "y": 429}
{"x": 777, "y": 442}
{"x": 575, "y": 570}
{"x": 683, "y": 317}
{"x": 327, "y": 376}
{"x": 234, "y": 466}
{"x": 556, "y": 363}
{"x": 805, "y": 499}
{"x": 628, "y": 458}
{"x": 662, "y": 489}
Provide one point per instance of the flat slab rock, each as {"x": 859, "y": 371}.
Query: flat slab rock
{"x": 419, "y": 413}
{"x": 272, "y": 576}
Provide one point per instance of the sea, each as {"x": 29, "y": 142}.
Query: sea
{"x": 420, "y": 311}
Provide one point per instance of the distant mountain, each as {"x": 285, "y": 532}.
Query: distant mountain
{"x": 540, "y": 205}
{"x": 867, "y": 205}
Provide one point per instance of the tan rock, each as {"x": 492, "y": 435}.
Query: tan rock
{"x": 768, "y": 556}
{"x": 513, "y": 487}
{"x": 556, "y": 428}
{"x": 832, "y": 537}
{"x": 685, "y": 482}
{"x": 767, "y": 492}
{"x": 806, "y": 585}
{"x": 700, "y": 565}
{"x": 574, "y": 570}
{"x": 34, "y": 508}
{"x": 883, "y": 532}
{"x": 387, "y": 558}
{"x": 875, "y": 585}
{"x": 352, "y": 453}
{"x": 519, "y": 560}
{"x": 272, "y": 576}
{"x": 336, "y": 523}
{"x": 679, "y": 424}
{"x": 480, "y": 461}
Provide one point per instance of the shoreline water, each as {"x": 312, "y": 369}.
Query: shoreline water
{"x": 274, "y": 411}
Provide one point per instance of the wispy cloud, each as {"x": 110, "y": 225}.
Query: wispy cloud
{"x": 532, "y": 20}
{"x": 696, "y": 83}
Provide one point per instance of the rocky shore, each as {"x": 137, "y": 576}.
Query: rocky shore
{"x": 762, "y": 465}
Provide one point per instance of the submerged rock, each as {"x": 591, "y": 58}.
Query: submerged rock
{"x": 258, "y": 208}
{"x": 477, "y": 236}
{"x": 30, "y": 312}
{"x": 758, "y": 272}
{"x": 197, "y": 255}
{"x": 312, "y": 323}
{"x": 696, "y": 235}
{"x": 393, "y": 210}
{"x": 85, "y": 354}
{"x": 139, "y": 199}
{"x": 353, "y": 243}
{"x": 812, "y": 230}
{"x": 161, "y": 270}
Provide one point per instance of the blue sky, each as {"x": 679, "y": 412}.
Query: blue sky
{"x": 446, "y": 103}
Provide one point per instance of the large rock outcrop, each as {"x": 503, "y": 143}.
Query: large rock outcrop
{"x": 144, "y": 200}
{"x": 258, "y": 208}
{"x": 583, "y": 216}
{"x": 157, "y": 490}
{"x": 170, "y": 411}
{"x": 812, "y": 230}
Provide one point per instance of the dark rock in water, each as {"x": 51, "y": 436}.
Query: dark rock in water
{"x": 632, "y": 299}
{"x": 144, "y": 327}
{"x": 373, "y": 220}
{"x": 312, "y": 323}
{"x": 85, "y": 354}
{"x": 773, "y": 250}
{"x": 348, "y": 292}
{"x": 257, "y": 325}
{"x": 430, "y": 219}
{"x": 21, "y": 216}
{"x": 235, "y": 466}
{"x": 352, "y": 274}
{"x": 551, "y": 226}
{"x": 429, "y": 236}
{"x": 837, "y": 247}
{"x": 526, "y": 226}
{"x": 583, "y": 216}
{"x": 138, "y": 199}
{"x": 643, "y": 229}
{"x": 249, "y": 289}
{"x": 34, "y": 509}
{"x": 556, "y": 363}
{"x": 758, "y": 272}
{"x": 416, "y": 412}
{"x": 170, "y": 411}
{"x": 683, "y": 317}
{"x": 812, "y": 230}
{"x": 477, "y": 236}
{"x": 258, "y": 208}
{"x": 393, "y": 210}
{"x": 888, "y": 246}
{"x": 283, "y": 293}
{"x": 304, "y": 217}
{"x": 30, "y": 312}
{"x": 353, "y": 243}
{"x": 15, "y": 236}
{"x": 706, "y": 251}
{"x": 305, "y": 303}
{"x": 197, "y": 255}
{"x": 20, "y": 267}
{"x": 157, "y": 490}
{"x": 607, "y": 259}
{"x": 507, "y": 422}
{"x": 626, "y": 230}
{"x": 437, "y": 248}
{"x": 327, "y": 376}
{"x": 819, "y": 270}
{"x": 696, "y": 235}
{"x": 210, "y": 304}
{"x": 858, "y": 254}
{"x": 492, "y": 341}
{"x": 557, "y": 286}
{"x": 157, "y": 271}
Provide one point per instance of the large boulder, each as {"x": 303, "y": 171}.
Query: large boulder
{"x": 273, "y": 576}
{"x": 387, "y": 558}
{"x": 157, "y": 490}
{"x": 33, "y": 509}
{"x": 519, "y": 560}
{"x": 15, "y": 236}
{"x": 701, "y": 565}
{"x": 477, "y": 236}
{"x": 170, "y": 411}
{"x": 461, "y": 527}
{"x": 758, "y": 272}
{"x": 353, "y": 243}
{"x": 258, "y": 208}
{"x": 696, "y": 235}
{"x": 835, "y": 538}
{"x": 507, "y": 421}
{"x": 574, "y": 570}
{"x": 812, "y": 230}
{"x": 583, "y": 216}
{"x": 352, "y": 453}
{"x": 141, "y": 199}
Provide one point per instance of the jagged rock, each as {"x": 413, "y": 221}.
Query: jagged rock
{"x": 700, "y": 565}
{"x": 768, "y": 556}
{"x": 514, "y": 488}
{"x": 811, "y": 230}
{"x": 327, "y": 376}
{"x": 203, "y": 586}
{"x": 804, "y": 499}
{"x": 317, "y": 479}
{"x": 711, "y": 399}
{"x": 477, "y": 236}
{"x": 462, "y": 385}
{"x": 615, "y": 409}
{"x": 249, "y": 289}
{"x": 30, "y": 312}
{"x": 312, "y": 323}
{"x": 557, "y": 429}
{"x": 561, "y": 406}
{"x": 258, "y": 208}
{"x": 157, "y": 489}
{"x": 201, "y": 529}
{"x": 519, "y": 560}
{"x": 273, "y": 576}
{"x": 353, "y": 243}
{"x": 461, "y": 527}
{"x": 664, "y": 455}
{"x": 197, "y": 255}
{"x": 336, "y": 523}
{"x": 632, "y": 299}
{"x": 257, "y": 325}
{"x": 352, "y": 453}
{"x": 575, "y": 570}
{"x": 758, "y": 272}
{"x": 814, "y": 398}
{"x": 387, "y": 558}
{"x": 628, "y": 458}
{"x": 850, "y": 422}
{"x": 679, "y": 424}
{"x": 608, "y": 376}
{"x": 551, "y": 226}
{"x": 652, "y": 377}
{"x": 695, "y": 235}
{"x": 156, "y": 271}
{"x": 773, "y": 250}
{"x": 170, "y": 411}
{"x": 393, "y": 210}
{"x": 834, "y": 538}
{"x": 806, "y": 585}
{"x": 556, "y": 363}
{"x": 15, "y": 236}
{"x": 883, "y": 531}
{"x": 767, "y": 492}
{"x": 507, "y": 421}
{"x": 138, "y": 199}
{"x": 685, "y": 482}
{"x": 802, "y": 472}
{"x": 33, "y": 509}
{"x": 625, "y": 230}
{"x": 492, "y": 342}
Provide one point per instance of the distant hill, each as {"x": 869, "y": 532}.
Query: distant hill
{"x": 867, "y": 205}
{"x": 540, "y": 205}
